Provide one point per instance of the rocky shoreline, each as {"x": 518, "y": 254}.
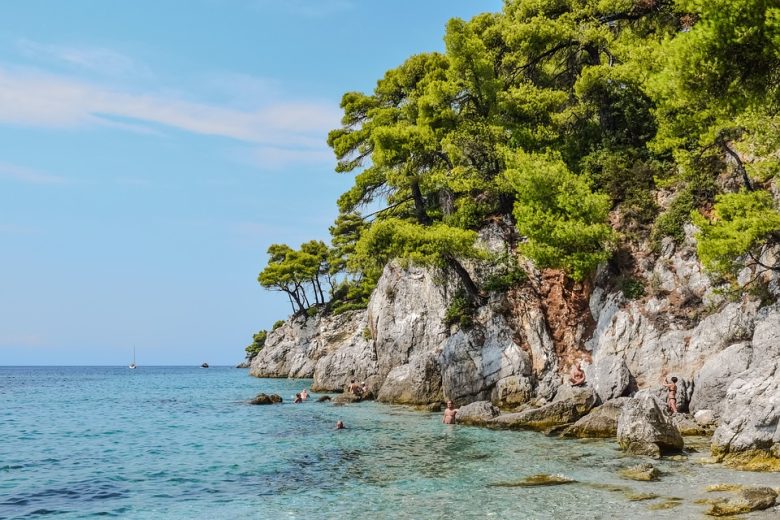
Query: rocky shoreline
{"x": 521, "y": 343}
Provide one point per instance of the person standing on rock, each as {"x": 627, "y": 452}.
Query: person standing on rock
{"x": 671, "y": 396}
{"x": 449, "y": 414}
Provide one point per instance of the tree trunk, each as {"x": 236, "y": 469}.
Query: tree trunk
{"x": 419, "y": 204}
{"x": 468, "y": 284}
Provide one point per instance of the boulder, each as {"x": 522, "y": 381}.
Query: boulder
{"x": 714, "y": 378}
{"x": 434, "y": 407}
{"x": 704, "y": 417}
{"x": 601, "y": 422}
{"x": 415, "y": 382}
{"x": 346, "y": 398}
{"x": 686, "y": 425}
{"x": 747, "y": 500}
{"x": 323, "y": 399}
{"x": 478, "y": 413}
{"x": 266, "y": 399}
{"x": 609, "y": 377}
{"x": 570, "y": 404}
{"x": 643, "y": 429}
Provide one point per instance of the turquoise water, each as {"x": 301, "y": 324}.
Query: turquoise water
{"x": 182, "y": 443}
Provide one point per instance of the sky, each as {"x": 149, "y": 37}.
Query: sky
{"x": 151, "y": 151}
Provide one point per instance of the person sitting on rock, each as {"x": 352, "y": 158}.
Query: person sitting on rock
{"x": 576, "y": 375}
{"x": 363, "y": 388}
{"x": 449, "y": 414}
{"x": 298, "y": 399}
{"x": 354, "y": 388}
{"x": 671, "y": 396}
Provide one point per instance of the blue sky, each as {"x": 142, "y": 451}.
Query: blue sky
{"x": 151, "y": 151}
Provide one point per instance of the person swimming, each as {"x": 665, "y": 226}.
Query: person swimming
{"x": 298, "y": 399}
{"x": 340, "y": 425}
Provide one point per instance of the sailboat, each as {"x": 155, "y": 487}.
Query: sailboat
{"x": 132, "y": 365}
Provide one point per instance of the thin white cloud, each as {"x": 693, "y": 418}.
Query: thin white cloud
{"x": 30, "y": 97}
{"x": 278, "y": 158}
{"x": 94, "y": 59}
{"x": 28, "y": 175}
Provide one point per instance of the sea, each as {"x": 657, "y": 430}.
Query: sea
{"x": 183, "y": 443}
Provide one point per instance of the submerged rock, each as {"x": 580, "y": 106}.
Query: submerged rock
{"x": 641, "y": 472}
{"x": 323, "y": 398}
{"x": 537, "y": 481}
{"x": 477, "y": 414}
{"x": 346, "y": 398}
{"x": 747, "y": 500}
{"x": 644, "y": 430}
{"x": 266, "y": 399}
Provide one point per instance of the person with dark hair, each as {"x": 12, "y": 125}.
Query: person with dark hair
{"x": 340, "y": 425}
{"x": 297, "y": 399}
{"x": 671, "y": 396}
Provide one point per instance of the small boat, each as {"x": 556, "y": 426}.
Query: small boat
{"x": 204, "y": 365}
{"x": 132, "y": 365}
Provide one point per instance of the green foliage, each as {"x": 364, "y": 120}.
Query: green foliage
{"x": 571, "y": 115}
{"x": 297, "y": 273}
{"x": 632, "y": 288}
{"x": 508, "y": 274}
{"x": 277, "y": 324}
{"x": 367, "y": 335}
{"x": 423, "y": 245}
{"x": 564, "y": 221}
{"x": 258, "y": 342}
{"x": 741, "y": 225}
{"x": 460, "y": 311}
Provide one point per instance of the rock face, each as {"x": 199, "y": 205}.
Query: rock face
{"x": 643, "y": 429}
{"x": 751, "y": 411}
{"x": 294, "y": 349}
{"x": 610, "y": 377}
{"x": 714, "y": 378}
{"x": 523, "y": 341}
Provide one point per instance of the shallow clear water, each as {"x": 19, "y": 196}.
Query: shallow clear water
{"x": 182, "y": 443}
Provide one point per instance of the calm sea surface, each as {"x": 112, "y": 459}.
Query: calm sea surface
{"x": 176, "y": 443}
